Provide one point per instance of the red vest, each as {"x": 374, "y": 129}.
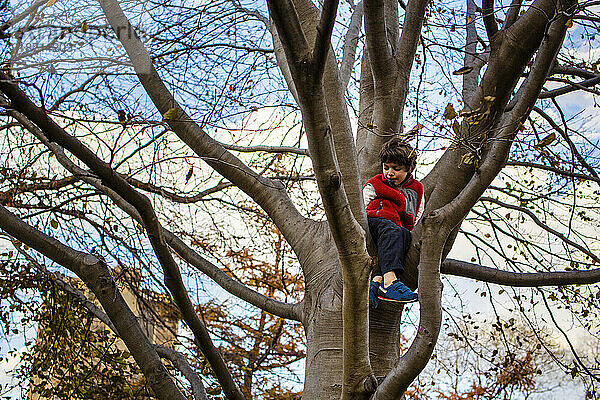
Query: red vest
{"x": 398, "y": 204}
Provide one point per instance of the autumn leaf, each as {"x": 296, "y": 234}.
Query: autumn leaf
{"x": 415, "y": 129}
{"x": 171, "y": 114}
{"x": 469, "y": 158}
{"x": 547, "y": 140}
{"x": 84, "y": 27}
{"x": 54, "y": 224}
{"x": 463, "y": 70}
{"x": 456, "y": 127}
{"x": 50, "y": 3}
{"x": 449, "y": 112}
{"x": 569, "y": 23}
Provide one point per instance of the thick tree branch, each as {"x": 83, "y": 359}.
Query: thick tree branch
{"x": 283, "y": 13}
{"x": 512, "y": 14}
{"x": 574, "y": 71}
{"x": 180, "y": 363}
{"x": 497, "y": 155}
{"x": 280, "y": 309}
{"x": 350, "y": 45}
{"x": 409, "y": 40}
{"x": 471, "y": 79}
{"x": 378, "y": 46}
{"x": 529, "y": 91}
{"x": 142, "y": 204}
{"x": 558, "y": 171}
{"x": 96, "y": 275}
{"x": 511, "y": 50}
{"x": 323, "y": 37}
{"x": 391, "y": 74}
{"x": 365, "y": 114}
{"x": 430, "y": 299}
{"x": 519, "y": 279}
{"x": 489, "y": 18}
{"x": 570, "y": 88}
{"x": 337, "y": 109}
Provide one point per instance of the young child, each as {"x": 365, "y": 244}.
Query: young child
{"x": 392, "y": 199}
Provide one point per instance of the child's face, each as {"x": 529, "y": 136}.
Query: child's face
{"x": 394, "y": 172}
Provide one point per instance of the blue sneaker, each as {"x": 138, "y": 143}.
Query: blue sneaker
{"x": 397, "y": 292}
{"x": 373, "y": 290}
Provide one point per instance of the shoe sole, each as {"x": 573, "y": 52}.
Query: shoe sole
{"x": 398, "y": 301}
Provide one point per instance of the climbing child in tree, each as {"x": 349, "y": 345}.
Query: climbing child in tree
{"x": 392, "y": 199}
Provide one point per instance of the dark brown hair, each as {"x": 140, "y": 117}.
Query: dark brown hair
{"x": 400, "y": 152}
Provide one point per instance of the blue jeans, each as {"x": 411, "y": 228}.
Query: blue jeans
{"x": 392, "y": 242}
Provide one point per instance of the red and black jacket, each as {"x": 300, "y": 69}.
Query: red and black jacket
{"x": 399, "y": 204}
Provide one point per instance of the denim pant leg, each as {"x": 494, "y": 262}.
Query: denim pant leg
{"x": 392, "y": 242}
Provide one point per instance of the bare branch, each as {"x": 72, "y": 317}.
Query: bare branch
{"x": 574, "y": 71}
{"x": 553, "y": 169}
{"x": 148, "y": 187}
{"x": 177, "y": 359}
{"x": 180, "y": 362}
{"x": 81, "y": 88}
{"x": 572, "y": 146}
{"x": 266, "y": 149}
{"x": 519, "y": 279}
{"x": 18, "y": 18}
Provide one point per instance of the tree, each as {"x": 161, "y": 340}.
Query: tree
{"x": 511, "y": 58}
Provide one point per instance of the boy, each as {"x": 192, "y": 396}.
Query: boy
{"x": 392, "y": 199}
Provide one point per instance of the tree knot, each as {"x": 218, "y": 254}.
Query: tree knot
{"x": 335, "y": 179}
{"x": 370, "y": 384}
